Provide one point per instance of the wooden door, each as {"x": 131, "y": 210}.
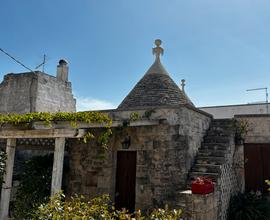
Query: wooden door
{"x": 257, "y": 166}
{"x": 125, "y": 180}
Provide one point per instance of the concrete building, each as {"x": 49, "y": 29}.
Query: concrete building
{"x": 37, "y": 92}
{"x": 229, "y": 111}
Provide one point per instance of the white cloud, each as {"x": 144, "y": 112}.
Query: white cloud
{"x": 86, "y": 104}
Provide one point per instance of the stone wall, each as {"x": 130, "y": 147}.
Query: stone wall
{"x": 192, "y": 123}
{"x": 200, "y": 207}
{"x": 15, "y": 93}
{"x": 54, "y": 95}
{"x": 164, "y": 155}
{"x": 33, "y": 92}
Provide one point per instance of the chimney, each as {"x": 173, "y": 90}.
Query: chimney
{"x": 62, "y": 70}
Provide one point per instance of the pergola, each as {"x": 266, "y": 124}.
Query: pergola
{"x": 38, "y": 130}
{"x": 59, "y": 131}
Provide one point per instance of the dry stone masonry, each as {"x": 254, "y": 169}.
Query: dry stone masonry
{"x": 171, "y": 140}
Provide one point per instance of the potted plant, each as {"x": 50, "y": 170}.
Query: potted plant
{"x": 241, "y": 129}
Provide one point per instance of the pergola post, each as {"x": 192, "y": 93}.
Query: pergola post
{"x": 7, "y": 185}
{"x": 58, "y": 163}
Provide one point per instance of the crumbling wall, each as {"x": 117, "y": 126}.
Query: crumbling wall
{"x": 17, "y": 93}
{"x": 54, "y": 95}
{"x": 35, "y": 92}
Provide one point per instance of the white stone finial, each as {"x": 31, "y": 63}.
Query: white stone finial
{"x": 158, "y": 50}
{"x": 183, "y": 83}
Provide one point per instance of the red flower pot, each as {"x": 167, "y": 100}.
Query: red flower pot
{"x": 202, "y": 185}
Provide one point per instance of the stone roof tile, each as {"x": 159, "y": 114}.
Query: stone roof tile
{"x": 154, "y": 89}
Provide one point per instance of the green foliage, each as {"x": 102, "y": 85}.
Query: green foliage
{"x": 48, "y": 118}
{"x": 161, "y": 214}
{"x": 73, "y": 118}
{"x": 76, "y": 208}
{"x": 103, "y": 139}
{"x": 249, "y": 206}
{"x": 268, "y": 183}
{"x": 134, "y": 116}
{"x": 241, "y": 128}
{"x": 3, "y": 157}
{"x": 99, "y": 208}
{"x": 34, "y": 187}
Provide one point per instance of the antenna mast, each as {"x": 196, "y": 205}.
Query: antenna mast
{"x": 43, "y": 63}
{"x": 266, "y": 95}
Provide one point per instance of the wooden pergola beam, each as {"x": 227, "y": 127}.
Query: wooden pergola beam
{"x": 58, "y": 162}
{"x": 46, "y": 133}
{"x": 80, "y": 125}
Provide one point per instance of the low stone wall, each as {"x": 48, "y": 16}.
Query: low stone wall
{"x": 200, "y": 207}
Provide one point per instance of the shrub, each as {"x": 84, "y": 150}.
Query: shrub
{"x": 99, "y": 208}
{"x": 34, "y": 187}
{"x": 76, "y": 208}
{"x": 162, "y": 214}
{"x": 268, "y": 184}
{"x": 249, "y": 206}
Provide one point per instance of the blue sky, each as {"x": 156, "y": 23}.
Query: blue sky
{"x": 220, "y": 47}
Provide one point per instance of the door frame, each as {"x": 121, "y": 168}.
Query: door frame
{"x": 261, "y": 159}
{"x": 115, "y": 172}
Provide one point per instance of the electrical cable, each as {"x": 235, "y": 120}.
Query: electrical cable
{"x": 17, "y": 61}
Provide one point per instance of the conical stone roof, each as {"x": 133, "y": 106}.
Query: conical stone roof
{"x": 156, "y": 88}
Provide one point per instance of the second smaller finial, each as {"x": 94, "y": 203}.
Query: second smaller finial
{"x": 183, "y": 83}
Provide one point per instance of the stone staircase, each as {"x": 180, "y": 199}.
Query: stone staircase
{"x": 215, "y": 151}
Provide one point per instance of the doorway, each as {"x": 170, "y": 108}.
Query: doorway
{"x": 125, "y": 180}
{"x": 257, "y": 166}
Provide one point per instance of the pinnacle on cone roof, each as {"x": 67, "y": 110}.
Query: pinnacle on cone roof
{"x": 156, "y": 88}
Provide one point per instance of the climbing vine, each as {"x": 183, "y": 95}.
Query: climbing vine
{"x": 73, "y": 118}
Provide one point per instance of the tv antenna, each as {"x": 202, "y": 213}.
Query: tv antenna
{"x": 266, "y": 95}
{"x": 43, "y": 63}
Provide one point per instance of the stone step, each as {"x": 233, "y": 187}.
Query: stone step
{"x": 207, "y": 168}
{"x": 213, "y": 176}
{"x": 227, "y": 128}
{"x": 183, "y": 200}
{"x": 216, "y": 139}
{"x": 221, "y": 127}
{"x": 212, "y": 152}
{"x": 214, "y": 146}
{"x": 222, "y": 122}
{"x": 210, "y": 160}
{"x": 218, "y": 133}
